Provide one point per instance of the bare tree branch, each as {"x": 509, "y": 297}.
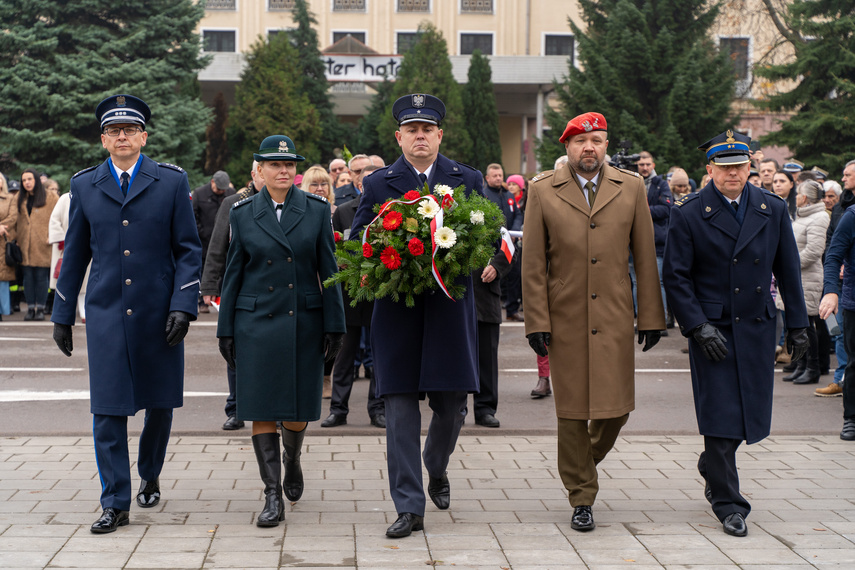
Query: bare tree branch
{"x": 791, "y": 36}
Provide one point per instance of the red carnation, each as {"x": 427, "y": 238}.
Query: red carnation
{"x": 338, "y": 236}
{"x": 392, "y": 221}
{"x": 364, "y": 281}
{"x": 412, "y": 195}
{"x": 367, "y": 250}
{"x": 391, "y": 258}
{"x": 416, "y": 246}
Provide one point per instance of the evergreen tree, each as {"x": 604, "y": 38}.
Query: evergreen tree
{"x": 426, "y": 68}
{"x": 314, "y": 80}
{"x": 367, "y": 141}
{"x": 269, "y": 101}
{"x": 652, "y": 70}
{"x": 482, "y": 118}
{"x": 822, "y": 131}
{"x": 217, "y": 151}
{"x": 60, "y": 58}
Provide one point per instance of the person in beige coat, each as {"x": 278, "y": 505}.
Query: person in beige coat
{"x": 8, "y": 225}
{"x": 582, "y": 222}
{"x": 34, "y": 209}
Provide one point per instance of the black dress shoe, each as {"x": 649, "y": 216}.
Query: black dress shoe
{"x": 583, "y": 519}
{"x": 439, "y": 491}
{"x": 369, "y": 372}
{"x": 334, "y": 420}
{"x": 734, "y": 525}
{"x": 149, "y": 494}
{"x": 487, "y": 420}
{"x": 848, "y": 433}
{"x": 405, "y": 525}
{"x": 110, "y": 520}
{"x": 233, "y": 423}
{"x": 379, "y": 420}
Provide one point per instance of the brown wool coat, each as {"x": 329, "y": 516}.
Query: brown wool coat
{"x": 570, "y": 295}
{"x": 33, "y": 232}
{"x": 8, "y": 218}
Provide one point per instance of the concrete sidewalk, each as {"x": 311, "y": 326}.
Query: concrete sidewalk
{"x": 508, "y": 508}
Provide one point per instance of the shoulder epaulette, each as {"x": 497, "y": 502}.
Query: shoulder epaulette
{"x": 467, "y": 166}
{"x": 241, "y": 202}
{"x": 85, "y": 170}
{"x": 625, "y": 171}
{"x": 171, "y": 166}
{"x": 686, "y": 199}
{"x": 542, "y": 175}
{"x": 316, "y": 197}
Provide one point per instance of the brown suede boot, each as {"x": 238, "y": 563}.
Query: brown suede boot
{"x": 542, "y": 389}
{"x": 327, "y": 388}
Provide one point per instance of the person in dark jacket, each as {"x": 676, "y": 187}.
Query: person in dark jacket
{"x": 277, "y": 324}
{"x": 206, "y": 203}
{"x": 212, "y": 275}
{"x": 431, "y": 348}
{"x": 133, "y": 219}
{"x": 511, "y": 284}
{"x": 724, "y": 245}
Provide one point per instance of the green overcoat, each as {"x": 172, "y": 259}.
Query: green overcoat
{"x": 275, "y": 307}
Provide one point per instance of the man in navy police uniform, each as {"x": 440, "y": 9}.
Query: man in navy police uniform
{"x": 724, "y": 244}
{"x": 133, "y": 218}
{"x": 429, "y": 349}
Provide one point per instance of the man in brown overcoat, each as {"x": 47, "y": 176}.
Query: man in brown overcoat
{"x": 582, "y": 222}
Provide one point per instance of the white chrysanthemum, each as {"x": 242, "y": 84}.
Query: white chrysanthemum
{"x": 428, "y": 208}
{"x": 443, "y": 190}
{"x": 445, "y": 237}
{"x": 476, "y": 217}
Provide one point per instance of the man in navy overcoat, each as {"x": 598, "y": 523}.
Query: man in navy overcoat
{"x": 133, "y": 218}
{"x": 724, "y": 245}
{"x": 430, "y": 348}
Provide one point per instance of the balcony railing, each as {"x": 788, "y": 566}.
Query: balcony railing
{"x": 348, "y": 5}
{"x": 413, "y": 5}
{"x": 476, "y": 6}
{"x": 220, "y": 5}
{"x": 273, "y": 5}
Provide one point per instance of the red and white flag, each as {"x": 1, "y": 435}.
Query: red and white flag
{"x": 507, "y": 244}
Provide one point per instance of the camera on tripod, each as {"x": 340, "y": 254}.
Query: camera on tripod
{"x": 621, "y": 159}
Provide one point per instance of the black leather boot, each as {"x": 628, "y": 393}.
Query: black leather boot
{"x": 31, "y": 314}
{"x": 40, "y": 314}
{"x": 810, "y": 375}
{"x": 801, "y": 364}
{"x": 266, "y": 446}
{"x": 292, "y": 446}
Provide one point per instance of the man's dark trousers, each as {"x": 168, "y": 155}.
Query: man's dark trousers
{"x": 112, "y": 457}
{"x": 231, "y": 401}
{"x": 342, "y": 378}
{"x": 487, "y": 400}
{"x": 717, "y": 464}
{"x": 849, "y": 374}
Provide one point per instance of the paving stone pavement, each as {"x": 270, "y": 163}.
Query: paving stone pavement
{"x": 508, "y": 509}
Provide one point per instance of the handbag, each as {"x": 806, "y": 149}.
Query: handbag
{"x": 13, "y": 253}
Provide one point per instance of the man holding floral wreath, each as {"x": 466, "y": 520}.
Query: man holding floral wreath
{"x": 428, "y": 349}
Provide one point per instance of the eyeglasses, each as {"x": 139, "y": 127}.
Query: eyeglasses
{"x": 319, "y": 185}
{"x": 129, "y": 131}
{"x": 356, "y": 172}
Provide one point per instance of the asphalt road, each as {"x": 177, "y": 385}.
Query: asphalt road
{"x": 42, "y": 392}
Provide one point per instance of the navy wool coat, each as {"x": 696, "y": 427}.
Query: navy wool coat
{"x": 432, "y": 346}
{"x": 275, "y": 307}
{"x": 146, "y": 261}
{"x": 719, "y": 272}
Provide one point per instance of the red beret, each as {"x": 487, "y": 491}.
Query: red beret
{"x": 584, "y": 123}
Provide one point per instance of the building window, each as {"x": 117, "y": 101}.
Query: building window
{"x": 736, "y": 49}
{"x": 280, "y": 5}
{"x": 215, "y": 40}
{"x": 348, "y": 5}
{"x": 471, "y": 42}
{"x": 336, "y": 36}
{"x": 476, "y": 6}
{"x": 406, "y": 40}
{"x": 221, "y": 5}
{"x": 559, "y": 44}
{"x": 413, "y": 5}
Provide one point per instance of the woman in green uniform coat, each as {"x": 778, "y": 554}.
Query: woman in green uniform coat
{"x": 281, "y": 250}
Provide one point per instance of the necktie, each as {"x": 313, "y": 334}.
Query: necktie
{"x": 422, "y": 178}
{"x": 735, "y": 205}
{"x": 125, "y": 178}
{"x": 589, "y": 186}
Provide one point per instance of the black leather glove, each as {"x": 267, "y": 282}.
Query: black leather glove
{"x": 332, "y": 344}
{"x": 62, "y": 338}
{"x": 797, "y": 343}
{"x": 538, "y": 341}
{"x": 711, "y": 341}
{"x": 227, "y": 349}
{"x": 177, "y": 325}
{"x": 649, "y": 338}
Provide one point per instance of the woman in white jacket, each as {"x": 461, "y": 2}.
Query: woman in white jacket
{"x": 810, "y": 227}
{"x": 56, "y": 237}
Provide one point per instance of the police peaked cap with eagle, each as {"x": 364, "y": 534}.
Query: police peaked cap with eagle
{"x": 418, "y": 107}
